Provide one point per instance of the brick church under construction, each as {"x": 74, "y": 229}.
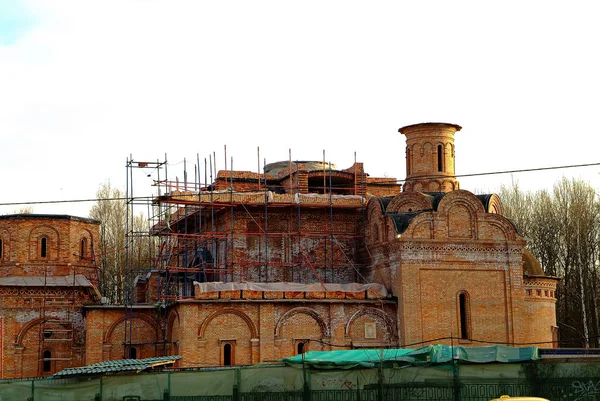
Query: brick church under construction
{"x": 253, "y": 267}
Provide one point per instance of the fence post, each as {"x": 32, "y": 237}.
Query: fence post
{"x": 236, "y": 385}
{"x": 456, "y": 376}
{"x": 380, "y": 383}
{"x": 306, "y": 393}
{"x": 98, "y": 396}
{"x": 32, "y": 390}
{"x": 167, "y": 391}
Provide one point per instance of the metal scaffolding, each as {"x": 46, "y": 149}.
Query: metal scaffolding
{"x": 239, "y": 226}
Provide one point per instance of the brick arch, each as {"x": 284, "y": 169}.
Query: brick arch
{"x": 450, "y": 185}
{"x": 87, "y": 234}
{"x": 173, "y": 315}
{"x": 54, "y": 242}
{"x": 434, "y": 186}
{"x": 421, "y": 226}
{"x": 502, "y": 224}
{"x": 373, "y": 312}
{"x": 120, "y": 320}
{"x": 463, "y": 197}
{"x": 409, "y": 200}
{"x": 374, "y": 206}
{"x": 245, "y": 318}
{"x": 307, "y": 311}
{"x": 495, "y": 205}
{"x": 23, "y": 332}
{"x": 6, "y": 239}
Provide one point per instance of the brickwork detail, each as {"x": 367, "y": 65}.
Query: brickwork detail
{"x": 389, "y": 323}
{"x": 245, "y": 318}
{"x": 306, "y": 311}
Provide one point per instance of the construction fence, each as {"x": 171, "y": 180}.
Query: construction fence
{"x": 568, "y": 381}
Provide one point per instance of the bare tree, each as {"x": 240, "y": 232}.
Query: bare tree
{"x": 116, "y": 275}
{"x": 110, "y": 209}
{"x": 562, "y": 230}
{"x": 24, "y": 210}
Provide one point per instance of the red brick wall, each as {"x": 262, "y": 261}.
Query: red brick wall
{"x": 30, "y": 311}
{"x": 108, "y": 328}
{"x": 269, "y": 331}
{"x": 21, "y": 240}
{"x": 24, "y": 327}
{"x": 540, "y": 306}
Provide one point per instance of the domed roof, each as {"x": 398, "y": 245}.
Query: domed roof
{"x": 531, "y": 266}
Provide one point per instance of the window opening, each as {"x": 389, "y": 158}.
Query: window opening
{"x": 47, "y": 364}
{"x": 44, "y": 246}
{"x": 464, "y": 320}
{"x": 301, "y": 348}
{"x": 132, "y": 353}
{"x": 227, "y": 354}
{"x": 82, "y": 248}
{"x": 440, "y": 160}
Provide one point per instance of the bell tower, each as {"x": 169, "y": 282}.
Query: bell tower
{"x": 430, "y": 157}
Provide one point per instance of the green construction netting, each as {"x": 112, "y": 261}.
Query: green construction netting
{"x": 431, "y": 354}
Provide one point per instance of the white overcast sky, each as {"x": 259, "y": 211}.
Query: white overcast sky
{"x": 85, "y": 84}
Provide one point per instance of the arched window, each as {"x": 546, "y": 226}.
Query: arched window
{"x": 82, "y": 248}
{"x": 44, "y": 247}
{"x": 464, "y": 315}
{"x": 440, "y": 158}
{"x": 408, "y": 160}
{"x": 132, "y": 353}
{"x": 227, "y": 354}
{"x": 47, "y": 361}
{"x": 300, "y": 348}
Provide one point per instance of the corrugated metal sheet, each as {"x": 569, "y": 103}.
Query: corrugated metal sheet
{"x": 121, "y": 365}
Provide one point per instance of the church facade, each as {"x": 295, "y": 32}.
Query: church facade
{"x": 304, "y": 256}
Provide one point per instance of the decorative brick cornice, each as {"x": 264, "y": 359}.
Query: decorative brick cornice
{"x": 458, "y": 248}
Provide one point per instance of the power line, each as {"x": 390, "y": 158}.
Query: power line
{"x": 75, "y": 201}
{"x": 529, "y": 170}
{"x": 382, "y": 182}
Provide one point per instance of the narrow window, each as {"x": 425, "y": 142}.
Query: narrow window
{"x": 227, "y": 355}
{"x": 408, "y": 160}
{"x": 132, "y": 353}
{"x": 83, "y": 246}
{"x": 440, "y": 158}
{"x": 463, "y": 304}
{"x": 43, "y": 250}
{"x": 301, "y": 348}
{"x": 47, "y": 362}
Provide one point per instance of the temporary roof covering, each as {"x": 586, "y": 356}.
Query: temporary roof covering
{"x": 379, "y": 289}
{"x": 432, "y": 354}
{"x": 121, "y": 365}
{"x": 50, "y": 281}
